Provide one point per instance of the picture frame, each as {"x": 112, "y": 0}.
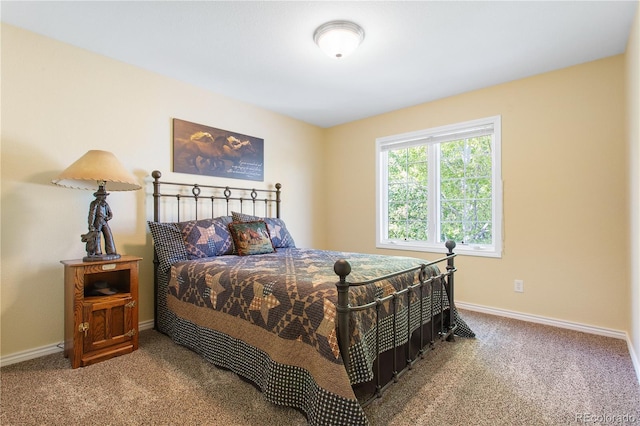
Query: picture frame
{"x": 209, "y": 151}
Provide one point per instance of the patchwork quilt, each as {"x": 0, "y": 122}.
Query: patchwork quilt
{"x": 272, "y": 319}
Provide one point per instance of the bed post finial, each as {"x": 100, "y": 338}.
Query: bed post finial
{"x": 278, "y": 186}
{"x": 450, "y": 245}
{"x": 156, "y": 194}
{"x": 342, "y": 268}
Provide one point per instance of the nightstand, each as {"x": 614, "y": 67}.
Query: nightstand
{"x": 100, "y": 309}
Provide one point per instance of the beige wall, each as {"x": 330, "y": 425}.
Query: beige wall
{"x": 564, "y": 166}
{"x": 59, "y": 101}
{"x": 633, "y": 126}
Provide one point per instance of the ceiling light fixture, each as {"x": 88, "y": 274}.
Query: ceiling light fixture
{"x": 338, "y": 39}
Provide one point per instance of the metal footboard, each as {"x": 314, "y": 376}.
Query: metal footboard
{"x": 444, "y": 282}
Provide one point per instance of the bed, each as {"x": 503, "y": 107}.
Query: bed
{"x": 322, "y": 331}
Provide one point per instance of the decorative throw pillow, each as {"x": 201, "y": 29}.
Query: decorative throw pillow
{"x": 199, "y": 238}
{"x": 168, "y": 243}
{"x": 242, "y": 217}
{"x": 280, "y": 235}
{"x": 278, "y": 231}
{"x": 207, "y": 237}
{"x": 222, "y": 238}
{"x": 251, "y": 238}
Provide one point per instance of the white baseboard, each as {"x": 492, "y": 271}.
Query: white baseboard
{"x": 50, "y": 349}
{"x": 634, "y": 358}
{"x": 543, "y": 320}
{"x": 30, "y": 354}
{"x": 560, "y": 324}
{"x": 145, "y": 325}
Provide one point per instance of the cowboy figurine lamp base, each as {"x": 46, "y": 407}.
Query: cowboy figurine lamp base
{"x": 99, "y": 216}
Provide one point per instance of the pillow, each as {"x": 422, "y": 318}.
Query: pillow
{"x": 168, "y": 243}
{"x": 280, "y": 235}
{"x": 241, "y": 217}
{"x": 224, "y": 242}
{"x": 278, "y": 231}
{"x": 251, "y": 237}
{"x": 206, "y": 237}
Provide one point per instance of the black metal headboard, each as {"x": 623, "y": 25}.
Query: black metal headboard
{"x": 221, "y": 199}
{"x": 179, "y": 202}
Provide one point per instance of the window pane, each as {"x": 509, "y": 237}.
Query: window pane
{"x": 417, "y": 194}
{"x": 397, "y": 192}
{"x": 417, "y": 231}
{"x": 451, "y": 231}
{"x": 407, "y": 181}
{"x": 397, "y": 212}
{"x": 477, "y": 210}
{"x": 479, "y": 163}
{"x": 478, "y": 188}
{"x": 466, "y": 190}
{"x": 397, "y": 165}
{"x": 452, "y": 211}
{"x": 452, "y": 189}
{"x": 418, "y": 172}
{"x": 396, "y": 230}
{"x": 451, "y": 160}
{"x": 416, "y": 210}
{"x": 477, "y": 232}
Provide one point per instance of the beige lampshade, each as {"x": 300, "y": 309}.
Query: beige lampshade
{"x": 94, "y": 168}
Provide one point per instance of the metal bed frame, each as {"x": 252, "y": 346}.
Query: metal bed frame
{"x": 403, "y": 357}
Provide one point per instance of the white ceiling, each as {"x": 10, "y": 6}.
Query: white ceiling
{"x": 263, "y": 52}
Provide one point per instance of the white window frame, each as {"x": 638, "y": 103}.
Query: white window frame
{"x": 431, "y": 137}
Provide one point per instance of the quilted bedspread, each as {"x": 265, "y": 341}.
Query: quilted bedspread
{"x": 272, "y": 319}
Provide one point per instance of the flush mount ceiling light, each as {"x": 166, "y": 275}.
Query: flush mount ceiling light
{"x": 338, "y": 38}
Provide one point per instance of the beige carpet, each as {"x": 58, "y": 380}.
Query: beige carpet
{"x": 513, "y": 373}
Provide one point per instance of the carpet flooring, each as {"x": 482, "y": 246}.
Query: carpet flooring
{"x": 512, "y": 373}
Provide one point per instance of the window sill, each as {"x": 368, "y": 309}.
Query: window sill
{"x": 460, "y": 249}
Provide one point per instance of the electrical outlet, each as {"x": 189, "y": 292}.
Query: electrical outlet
{"x": 518, "y": 286}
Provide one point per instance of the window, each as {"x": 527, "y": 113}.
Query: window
{"x": 441, "y": 184}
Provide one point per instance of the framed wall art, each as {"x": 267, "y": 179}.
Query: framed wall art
{"x": 204, "y": 150}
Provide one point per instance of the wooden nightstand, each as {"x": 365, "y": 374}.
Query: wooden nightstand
{"x": 100, "y": 326}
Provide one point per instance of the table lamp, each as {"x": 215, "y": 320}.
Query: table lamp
{"x": 93, "y": 170}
